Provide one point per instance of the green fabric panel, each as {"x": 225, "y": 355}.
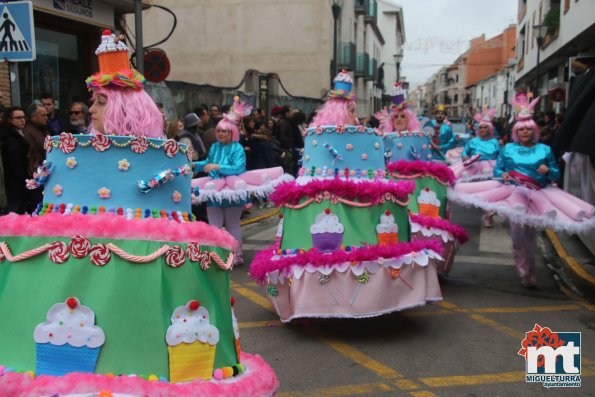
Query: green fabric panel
{"x": 434, "y": 185}
{"x": 359, "y": 223}
{"x": 132, "y": 302}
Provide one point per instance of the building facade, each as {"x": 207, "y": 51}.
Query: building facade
{"x": 570, "y": 30}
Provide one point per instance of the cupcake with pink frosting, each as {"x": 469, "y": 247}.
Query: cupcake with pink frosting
{"x": 69, "y": 341}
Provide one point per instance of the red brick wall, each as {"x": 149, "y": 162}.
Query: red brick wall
{"x": 5, "y": 84}
{"x": 487, "y": 57}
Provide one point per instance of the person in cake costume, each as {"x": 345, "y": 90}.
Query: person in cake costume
{"x": 344, "y": 247}
{"x": 523, "y": 192}
{"x": 115, "y": 234}
{"x": 479, "y": 156}
{"x": 409, "y": 157}
{"x": 228, "y": 186}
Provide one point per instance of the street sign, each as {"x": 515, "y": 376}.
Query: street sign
{"x": 157, "y": 65}
{"x": 17, "y": 35}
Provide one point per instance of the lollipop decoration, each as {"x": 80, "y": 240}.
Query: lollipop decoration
{"x": 333, "y": 151}
{"x": 361, "y": 279}
{"x": 41, "y": 176}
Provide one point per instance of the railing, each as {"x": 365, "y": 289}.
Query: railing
{"x": 360, "y": 7}
{"x": 347, "y": 56}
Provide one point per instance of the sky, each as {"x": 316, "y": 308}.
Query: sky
{"x": 438, "y": 31}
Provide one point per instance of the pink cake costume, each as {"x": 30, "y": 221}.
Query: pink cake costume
{"x": 524, "y": 192}
{"x": 343, "y": 244}
{"x": 480, "y": 153}
{"x": 130, "y": 284}
{"x": 409, "y": 155}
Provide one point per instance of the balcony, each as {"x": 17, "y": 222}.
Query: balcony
{"x": 372, "y": 69}
{"x": 371, "y": 11}
{"x": 361, "y": 65}
{"x": 346, "y": 56}
{"x": 360, "y": 7}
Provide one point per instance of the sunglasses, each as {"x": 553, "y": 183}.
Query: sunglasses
{"x": 72, "y": 112}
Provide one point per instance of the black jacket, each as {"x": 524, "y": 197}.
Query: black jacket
{"x": 15, "y": 150}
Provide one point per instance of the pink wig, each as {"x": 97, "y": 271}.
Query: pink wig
{"x": 490, "y": 127}
{"x": 226, "y": 124}
{"x": 336, "y": 111}
{"x": 525, "y": 123}
{"x": 412, "y": 121}
{"x": 130, "y": 112}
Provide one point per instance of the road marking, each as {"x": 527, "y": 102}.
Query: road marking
{"x": 347, "y": 390}
{"x": 253, "y": 296}
{"x": 422, "y": 394}
{"x": 469, "y": 380}
{"x": 259, "y": 217}
{"x": 360, "y": 358}
{"x": 528, "y": 309}
{"x": 484, "y": 260}
{"x": 405, "y": 384}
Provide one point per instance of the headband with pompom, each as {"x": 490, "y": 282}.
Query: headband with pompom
{"x": 114, "y": 65}
{"x": 237, "y": 111}
{"x": 524, "y": 108}
{"x": 486, "y": 116}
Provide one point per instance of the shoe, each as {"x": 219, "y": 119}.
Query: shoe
{"x": 529, "y": 282}
{"x": 488, "y": 220}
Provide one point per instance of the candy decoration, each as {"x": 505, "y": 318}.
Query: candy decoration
{"x": 205, "y": 260}
{"x": 79, "y": 246}
{"x": 193, "y": 251}
{"x": 48, "y": 143}
{"x": 139, "y": 145}
{"x": 71, "y": 162}
{"x": 394, "y": 273}
{"x": 272, "y": 290}
{"x": 171, "y": 147}
{"x": 100, "y": 142}
{"x": 361, "y": 279}
{"x": 333, "y": 151}
{"x": 72, "y": 302}
{"x": 175, "y": 256}
{"x": 323, "y": 279}
{"x": 100, "y": 254}
{"x": 66, "y": 142}
{"x": 58, "y": 252}
{"x": 193, "y": 305}
{"x": 162, "y": 178}
{"x": 414, "y": 153}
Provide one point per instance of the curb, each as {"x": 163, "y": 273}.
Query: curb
{"x": 583, "y": 279}
{"x": 259, "y": 217}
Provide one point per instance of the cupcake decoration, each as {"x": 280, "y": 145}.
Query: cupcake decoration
{"x": 327, "y": 231}
{"x": 428, "y": 203}
{"x": 69, "y": 341}
{"x": 192, "y": 342}
{"x": 387, "y": 229}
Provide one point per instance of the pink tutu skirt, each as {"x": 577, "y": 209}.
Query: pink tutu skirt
{"x": 480, "y": 170}
{"x": 549, "y": 207}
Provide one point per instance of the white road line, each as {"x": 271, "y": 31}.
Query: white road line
{"x": 485, "y": 260}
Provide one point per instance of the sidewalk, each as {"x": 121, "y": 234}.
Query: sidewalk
{"x": 573, "y": 263}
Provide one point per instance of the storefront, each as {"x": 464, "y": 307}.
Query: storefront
{"x": 66, "y": 35}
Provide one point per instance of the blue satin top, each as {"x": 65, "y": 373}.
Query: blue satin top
{"x": 488, "y": 149}
{"x": 231, "y": 159}
{"x": 527, "y": 160}
{"x": 445, "y": 138}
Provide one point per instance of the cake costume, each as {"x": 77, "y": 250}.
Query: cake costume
{"x": 117, "y": 254}
{"x": 480, "y": 153}
{"x": 344, "y": 247}
{"x": 522, "y": 191}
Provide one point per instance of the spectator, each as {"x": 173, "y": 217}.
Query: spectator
{"x": 190, "y": 136}
{"x": 14, "y": 157}
{"x": 35, "y": 132}
{"x": 207, "y": 134}
{"x": 215, "y": 116}
{"x": 164, "y": 115}
{"x": 79, "y": 117}
{"x": 56, "y": 122}
{"x": 174, "y": 129}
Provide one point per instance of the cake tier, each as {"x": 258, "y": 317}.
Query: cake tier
{"x": 133, "y": 176}
{"x": 408, "y": 146}
{"x": 367, "y": 282}
{"x": 132, "y": 284}
{"x": 330, "y": 150}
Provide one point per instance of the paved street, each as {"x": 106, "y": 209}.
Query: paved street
{"x": 464, "y": 346}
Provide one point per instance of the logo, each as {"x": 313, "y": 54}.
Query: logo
{"x": 552, "y": 358}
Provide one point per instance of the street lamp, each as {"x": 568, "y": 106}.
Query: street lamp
{"x": 336, "y": 8}
{"x": 398, "y": 57}
{"x": 539, "y": 32}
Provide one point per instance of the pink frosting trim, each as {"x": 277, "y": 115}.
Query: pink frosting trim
{"x": 114, "y": 226}
{"x": 457, "y": 231}
{"x": 259, "y": 380}
{"x": 428, "y": 168}
{"x": 364, "y": 191}
{"x": 263, "y": 264}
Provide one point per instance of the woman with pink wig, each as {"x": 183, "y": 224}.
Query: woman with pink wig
{"x": 339, "y": 109}
{"x": 524, "y": 194}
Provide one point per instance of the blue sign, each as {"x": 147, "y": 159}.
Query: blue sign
{"x": 17, "y": 34}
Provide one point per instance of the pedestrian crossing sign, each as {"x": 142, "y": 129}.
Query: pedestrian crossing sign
{"x": 17, "y": 34}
